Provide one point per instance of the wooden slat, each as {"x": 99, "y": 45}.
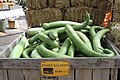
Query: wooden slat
{"x": 92, "y": 62}
{"x": 83, "y": 74}
{"x": 32, "y": 74}
{"x": 75, "y": 63}
{"x": 114, "y": 74}
{"x": 118, "y": 74}
{"x": 6, "y": 46}
{"x": 14, "y": 74}
{"x": 3, "y": 74}
{"x": 101, "y": 74}
{"x": 70, "y": 77}
{"x": 48, "y": 78}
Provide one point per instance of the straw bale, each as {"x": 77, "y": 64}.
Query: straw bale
{"x": 37, "y": 17}
{"x": 36, "y": 4}
{"x": 92, "y": 3}
{"x": 115, "y": 34}
{"x": 40, "y": 4}
{"x": 116, "y": 17}
{"x": 117, "y": 6}
{"x": 105, "y": 5}
{"x": 78, "y": 13}
{"x": 27, "y": 17}
{"x": 74, "y": 14}
{"x": 32, "y": 5}
{"x": 76, "y": 3}
{"x": 81, "y": 3}
{"x": 30, "y": 17}
{"x": 28, "y": 4}
{"x": 99, "y": 16}
{"x": 60, "y": 4}
{"x": 48, "y": 15}
{"x": 51, "y": 3}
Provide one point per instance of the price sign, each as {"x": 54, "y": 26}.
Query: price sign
{"x": 54, "y": 68}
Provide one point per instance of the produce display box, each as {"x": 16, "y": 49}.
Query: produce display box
{"x": 78, "y": 68}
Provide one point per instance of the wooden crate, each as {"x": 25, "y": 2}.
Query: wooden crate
{"x": 79, "y": 68}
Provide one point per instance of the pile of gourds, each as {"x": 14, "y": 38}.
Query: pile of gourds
{"x": 63, "y": 39}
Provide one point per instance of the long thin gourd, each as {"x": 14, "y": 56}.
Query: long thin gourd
{"x": 81, "y": 45}
{"x": 33, "y": 31}
{"x": 84, "y": 38}
{"x": 84, "y": 30}
{"x": 62, "y": 29}
{"x": 71, "y": 50}
{"x": 27, "y": 52}
{"x": 33, "y": 39}
{"x": 92, "y": 31}
{"x": 35, "y": 53}
{"x": 59, "y": 24}
{"x": 46, "y": 53}
{"x": 62, "y": 23}
{"x": 97, "y": 40}
{"x": 53, "y": 35}
{"x": 55, "y": 49}
{"x": 107, "y": 51}
{"x": 18, "y": 49}
{"x": 46, "y": 39}
{"x": 64, "y": 48}
{"x": 27, "y": 43}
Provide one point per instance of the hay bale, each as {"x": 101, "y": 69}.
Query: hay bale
{"x": 74, "y": 14}
{"x": 37, "y": 17}
{"x": 116, "y": 17}
{"x": 114, "y": 34}
{"x": 81, "y": 3}
{"x": 30, "y": 17}
{"x": 117, "y": 6}
{"x": 60, "y": 4}
{"x": 91, "y": 3}
{"x": 40, "y": 4}
{"x": 48, "y": 15}
{"x": 28, "y": 4}
{"x": 78, "y": 13}
{"x": 105, "y": 5}
{"x": 32, "y": 5}
{"x": 51, "y": 3}
{"x": 99, "y": 16}
{"x": 94, "y": 3}
{"x": 36, "y": 4}
{"x": 76, "y": 3}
